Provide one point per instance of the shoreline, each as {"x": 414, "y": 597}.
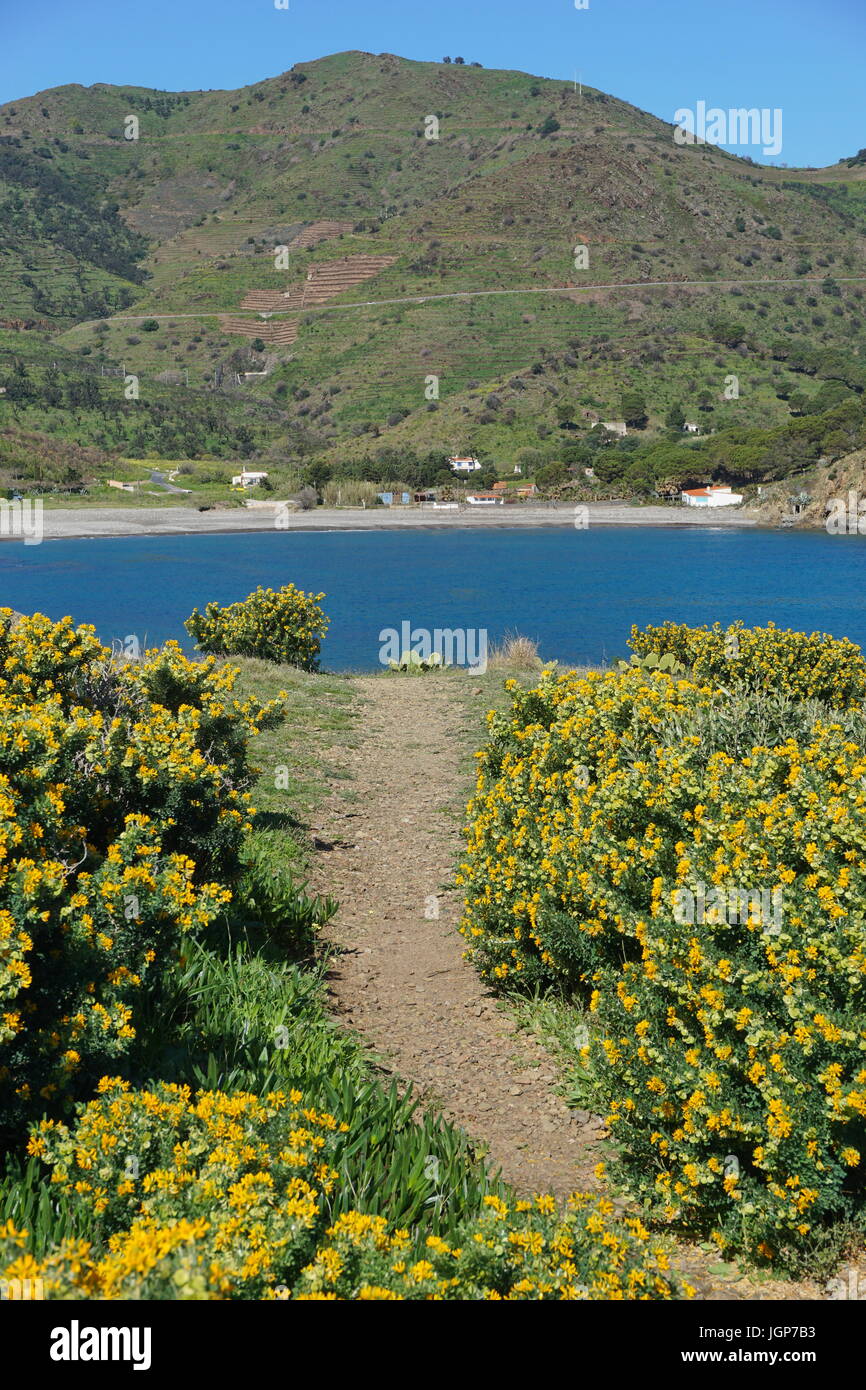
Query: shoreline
{"x": 92, "y": 523}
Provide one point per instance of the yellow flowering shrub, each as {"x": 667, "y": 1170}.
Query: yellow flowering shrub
{"x": 711, "y": 907}
{"x": 283, "y": 625}
{"x": 74, "y": 963}
{"x": 123, "y": 805}
{"x": 549, "y": 789}
{"x": 522, "y": 1251}
{"x": 763, "y": 658}
{"x": 219, "y": 1196}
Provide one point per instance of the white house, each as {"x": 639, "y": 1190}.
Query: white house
{"x": 464, "y": 465}
{"x": 690, "y": 427}
{"x": 716, "y": 495}
{"x": 248, "y": 478}
{"x": 485, "y": 499}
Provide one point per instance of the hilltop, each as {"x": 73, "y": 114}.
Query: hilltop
{"x": 430, "y": 296}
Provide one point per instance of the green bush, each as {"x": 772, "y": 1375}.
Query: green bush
{"x": 112, "y": 776}
{"x": 705, "y": 893}
{"x": 246, "y": 1020}
{"x": 240, "y": 1196}
{"x": 763, "y": 658}
{"x": 284, "y": 625}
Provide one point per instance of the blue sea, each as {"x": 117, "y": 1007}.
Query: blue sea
{"x": 575, "y": 592}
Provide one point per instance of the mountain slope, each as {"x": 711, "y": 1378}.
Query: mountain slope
{"x": 700, "y": 261}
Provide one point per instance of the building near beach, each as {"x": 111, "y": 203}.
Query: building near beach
{"x": 716, "y": 495}
{"x": 248, "y": 478}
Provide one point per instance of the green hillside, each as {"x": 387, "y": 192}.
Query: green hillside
{"x": 430, "y": 298}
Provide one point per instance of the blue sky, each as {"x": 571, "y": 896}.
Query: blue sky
{"x": 801, "y": 56}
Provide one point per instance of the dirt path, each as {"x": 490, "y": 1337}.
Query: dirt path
{"x": 386, "y": 841}
{"x": 401, "y": 980}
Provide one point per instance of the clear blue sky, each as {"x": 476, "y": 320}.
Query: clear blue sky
{"x": 803, "y": 56}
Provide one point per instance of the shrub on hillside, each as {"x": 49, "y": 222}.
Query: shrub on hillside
{"x": 707, "y": 899}
{"x": 284, "y": 625}
{"x": 235, "y": 1196}
{"x": 763, "y": 658}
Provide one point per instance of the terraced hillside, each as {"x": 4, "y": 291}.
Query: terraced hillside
{"x": 324, "y": 281}
{"x": 547, "y": 253}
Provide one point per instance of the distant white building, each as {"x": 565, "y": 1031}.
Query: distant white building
{"x": 614, "y": 426}
{"x": 690, "y": 427}
{"x": 464, "y": 465}
{"x": 716, "y": 495}
{"x": 248, "y": 478}
{"x": 485, "y": 499}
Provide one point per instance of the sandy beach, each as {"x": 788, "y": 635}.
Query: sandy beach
{"x": 59, "y": 523}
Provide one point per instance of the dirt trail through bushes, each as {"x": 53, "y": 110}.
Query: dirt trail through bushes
{"x": 401, "y": 979}
{"x": 387, "y": 839}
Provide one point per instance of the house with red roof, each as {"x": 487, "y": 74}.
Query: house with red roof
{"x": 714, "y": 495}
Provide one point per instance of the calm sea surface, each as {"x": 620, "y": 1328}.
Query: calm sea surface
{"x": 575, "y": 592}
